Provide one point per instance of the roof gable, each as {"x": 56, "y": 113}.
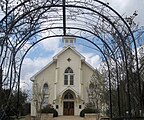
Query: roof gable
{"x": 90, "y": 66}
{"x": 69, "y": 47}
{"x": 45, "y": 67}
{"x": 56, "y": 57}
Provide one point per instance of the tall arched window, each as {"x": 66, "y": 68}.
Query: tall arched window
{"x": 68, "y": 77}
{"x": 45, "y": 94}
{"x": 45, "y": 89}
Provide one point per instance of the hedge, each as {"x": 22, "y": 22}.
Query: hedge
{"x": 88, "y": 110}
{"x": 50, "y": 110}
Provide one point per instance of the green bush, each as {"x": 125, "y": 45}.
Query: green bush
{"x": 88, "y": 110}
{"x": 50, "y": 110}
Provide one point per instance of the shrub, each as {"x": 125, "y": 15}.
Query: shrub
{"x": 50, "y": 110}
{"x": 88, "y": 110}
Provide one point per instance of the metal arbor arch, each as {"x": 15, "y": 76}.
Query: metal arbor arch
{"x": 28, "y": 22}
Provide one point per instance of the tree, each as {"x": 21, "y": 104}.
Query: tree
{"x": 40, "y": 97}
{"x": 24, "y": 105}
{"x": 96, "y": 92}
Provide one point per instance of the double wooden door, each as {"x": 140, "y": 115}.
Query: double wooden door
{"x": 68, "y": 108}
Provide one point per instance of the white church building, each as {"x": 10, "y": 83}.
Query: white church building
{"x": 64, "y": 81}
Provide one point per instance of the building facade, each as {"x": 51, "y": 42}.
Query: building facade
{"x": 63, "y": 82}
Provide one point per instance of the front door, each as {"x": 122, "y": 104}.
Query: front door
{"x": 68, "y": 108}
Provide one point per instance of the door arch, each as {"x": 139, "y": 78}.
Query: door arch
{"x": 68, "y": 103}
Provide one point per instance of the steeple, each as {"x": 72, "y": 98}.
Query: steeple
{"x": 69, "y": 41}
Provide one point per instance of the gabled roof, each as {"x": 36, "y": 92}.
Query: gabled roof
{"x": 55, "y": 58}
{"x": 33, "y": 77}
{"x": 90, "y": 66}
{"x": 66, "y": 48}
{"x": 68, "y": 88}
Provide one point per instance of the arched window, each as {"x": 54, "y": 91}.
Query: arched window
{"x": 68, "y": 77}
{"x": 68, "y": 96}
{"x": 68, "y": 70}
{"x": 45, "y": 94}
{"x": 45, "y": 89}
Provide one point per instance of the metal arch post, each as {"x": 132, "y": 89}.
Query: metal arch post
{"x": 64, "y": 19}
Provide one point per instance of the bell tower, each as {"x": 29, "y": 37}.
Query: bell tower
{"x": 69, "y": 41}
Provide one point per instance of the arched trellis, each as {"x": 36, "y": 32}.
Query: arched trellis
{"x": 29, "y": 22}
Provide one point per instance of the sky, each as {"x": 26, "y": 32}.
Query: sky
{"x": 127, "y": 7}
{"x": 42, "y": 53}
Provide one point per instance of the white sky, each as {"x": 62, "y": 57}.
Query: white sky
{"x": 128, "y": 7}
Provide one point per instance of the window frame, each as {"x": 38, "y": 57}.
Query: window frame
{"x": 69, "y": 73}
{"x": 45, "y": 89}
{"x": 71, "y": 80}
{"x": 65, "y": 80}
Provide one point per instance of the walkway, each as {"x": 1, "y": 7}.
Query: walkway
{"x": 65, "y": 118}
{"x": 68, "y": 118}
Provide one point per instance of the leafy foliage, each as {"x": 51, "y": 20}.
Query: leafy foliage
{"x": 48, "y": 109}
{"x": 96, "y": 92}
{"x": 12, "y": 109}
